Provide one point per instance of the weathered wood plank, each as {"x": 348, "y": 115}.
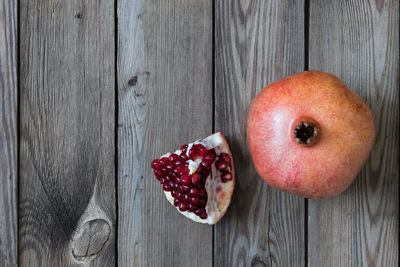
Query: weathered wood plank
{"x": 256, "y": 43}
{"x": 8, "y": 133}
{"x": 359, "y": 42}
{"x": 67, "y": 154}
{"x": 164, "y": 67}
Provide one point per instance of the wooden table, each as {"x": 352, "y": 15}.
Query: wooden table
{"x": 92, "y": 91}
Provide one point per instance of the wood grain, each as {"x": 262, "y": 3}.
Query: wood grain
{"x": 256, "y": 42}
{"x": 8, "y": 133}
{"x": 67, "y": 153}
{"x": 359, "y": 42}
{"x": 164, "y": 67}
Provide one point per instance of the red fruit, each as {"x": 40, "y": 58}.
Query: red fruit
{"x": 184, "y": 178}
{"x": 309, "y": 134}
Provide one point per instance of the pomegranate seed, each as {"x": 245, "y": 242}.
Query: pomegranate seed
{"x": 176, "y": 202}
{"x": 158, "y": 172}
{"x": 198, "y": 212}
{"x": 180, "y": 162}
{"x": 205, "y": 171}
{"x": 225, "y": 157}
{"x": 221, "y": 165}
{"x": 203, "y": 215}
{"x": 168, "y": 178}
{"x": 194, "y": 200}
{"x": 202, "y": 193}
{"x": 191, "y": 207}
{"x": 186, "y": 198}
{"x": 173, "y": 157}
{"x": 179, "y": 195}
{"x": 176, "y": 185}
{"x": 163, "y": 180}
{"x": 164, "y": 170}
{"x": 177, "y": 169}
{"x": 184, "y": 188}
{"x": 195, "y": 178}
{"x": 226, "y": 177}
{"x": 207, "y": 163}
{"x": 166, "y": 187}
{"x": 171, "y": 184}
{"x": 155, "y": 164}
{"x": 203, "y": 179}
{"x": 183, "y": 156}
{"x": 173, "y": 193}
{"x": 184, "y": 171}
{"x": 210, "y": 157}
{"x": 185, "y": 180}
{"x": 182, "y": 207}
{"x": 201, "y": 150}
{"x": 169, "y": 166}
{"x": 194, "y": 192}
{"x": 177, "y": 180}
{"x": 163, "y": 161}
{"x": 184, "y": 147}
{"x": 202, "y": 203}
{"x": 192, "y": 154}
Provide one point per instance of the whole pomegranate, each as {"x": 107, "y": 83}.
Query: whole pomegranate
{"x": 309, "y": 134}
{"x": 199, "y": 178}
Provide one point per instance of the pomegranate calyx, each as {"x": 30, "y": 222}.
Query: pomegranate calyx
{"x": 306, "y": 131}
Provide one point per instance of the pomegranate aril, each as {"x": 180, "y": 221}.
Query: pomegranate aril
{"x": 203, "y": 215}
{"x": 194, "y": 200}
{"x": 225, "y": 157}
{"x": 184, "y": 147}
{"x": 183, "y": 156}
{"x": 158, "y": 172}
{"x": 180, "y": 162}
{"x": 185, "y": 180}
{"x": 155, "y": 164}
{"x": 195, "y": 178}
{"x": 171, "y": 184}
{"x": 200, "y": 149}
{"x": 166, "y": 187}
{"x": 163, "y": 161}
{"x": 204, "y": 171}
{"x": 186, "y": 198}
{"x": 227, "y": 176}
{"x": 182, "y": 207}
{"x": 209, "y": 156}
{"x": 176, "y": 202}
{"x": 177, "y": 169}
{"x": 207, "y": 163}
{"x": 173, "y": 157}
{"x": 191, "y": 207}
{"x": 198, "y": 212}
{"x": 184, "y": 188}
{"x": 169, "y": 166}
{"x": 221, "y": 165}
{"x": 192, "y": 154}
{"x": 202, "y": 203}
{"x": 179, "y": 195}
{"x": 176, "y": 185}
{"x": 202, "y": 193}
{"x": 194, "y": 192}
{"x": 168, "y": 178}
{"x": 164, "y": 170}
{"x": 163, "y": 180}
{"x": 184, "y": 171}
{"x": 173, "y": 193}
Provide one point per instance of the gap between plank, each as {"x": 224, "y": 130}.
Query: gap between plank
{"x": 18, "y": 66}
{"x": 116, "y": 110}
{"x": 213, "y": 106}
{"x": 306, "y": 67}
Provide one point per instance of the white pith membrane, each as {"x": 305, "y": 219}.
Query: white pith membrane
{"x": 219, "y": 192}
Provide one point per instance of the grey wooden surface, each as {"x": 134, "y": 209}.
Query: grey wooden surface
{"x": 360, "y": 227}
{"x": 67, "y": 125}
{"x": 165, "y": 98}
{"x": 92, "y": 91}
{"x": 8, "y": 134}
{"x": 256, "y": 43}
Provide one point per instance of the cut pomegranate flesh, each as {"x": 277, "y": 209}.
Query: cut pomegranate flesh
{"x": 199, "y": 178}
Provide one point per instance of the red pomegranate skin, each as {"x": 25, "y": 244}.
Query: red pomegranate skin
{"x": 346, "y": 134}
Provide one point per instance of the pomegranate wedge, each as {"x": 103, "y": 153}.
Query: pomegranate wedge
{"x": 199, "y": 178}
